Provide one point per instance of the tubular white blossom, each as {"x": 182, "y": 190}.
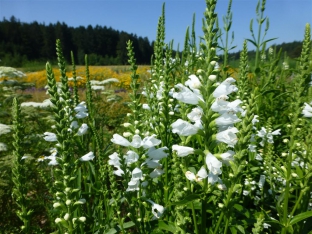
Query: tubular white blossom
{"x": 193, "y": 82}
{"x": 182, "y": 151}
{"x": 4, "y": 129}
{"x": 225, "y": 88}
{"x": 114, "y": 160}
{"x": 195, "y": 114}
{"x": 49, "y": 136}
{"x": 227, "y": 157}
{"x": 157, "y": 210}
{"x": 228, "y": 136}
{"x": 187, "y": 96}
{"x": 150, "y": 141}
{"x": 83, "y": 129}
{"x": 213, "y": 164}
{"x": 227, "y": 119}
{"x": 184, "y": 128}
{"x": 137, "y": 174}
{"x": 87, "y": 157}
{"x": 157, "y": 154}
{"x": 119, "y": 140}
{"x": 131, "y": 157}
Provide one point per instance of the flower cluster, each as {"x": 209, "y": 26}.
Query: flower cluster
{"x": 131, "y": 157}
{"x": 81, "y": 112}
{"x": 190, "y": 94}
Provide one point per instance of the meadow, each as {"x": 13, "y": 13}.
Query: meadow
{"x": 187, "y": 145}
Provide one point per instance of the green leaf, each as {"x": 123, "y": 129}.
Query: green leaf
{"x": 240, "y": 229}
{"x": 117, "y": 229}
{"x": 300, "y": 217}
{"x": 251, "y": 41}
{"x": 186, "y": 200}
{"x": 233, "y": 230}
{"x": 168, "y": 226}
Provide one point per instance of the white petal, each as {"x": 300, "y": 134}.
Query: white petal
{"x": 182, "y": 151}
{"x": 157, "y": 153}
{"x": 150, "y": 141}
{"x": 190, "y": 176}
{"x": 89, "y": 156}
{"x": 213, "y": 164}
{"x": 184, "y": 128}
{"x": 119, "y": 140}
{"x": 136, "y": 141}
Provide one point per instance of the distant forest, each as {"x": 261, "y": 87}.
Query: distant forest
{"x": 24, "y": 42}
{"x": 21, "y": 43}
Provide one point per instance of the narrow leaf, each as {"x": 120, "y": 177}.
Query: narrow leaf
{"x": 300, "y": 217}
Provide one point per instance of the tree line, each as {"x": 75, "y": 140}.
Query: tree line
{"x": 24, "y": 42}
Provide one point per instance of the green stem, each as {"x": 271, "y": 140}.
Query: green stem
{"x": 258, "y": 40}
{"x": 287, "y": 187}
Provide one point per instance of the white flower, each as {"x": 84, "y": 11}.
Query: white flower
{"x": 44, "y": 104}
{"x": 131, "y": 157}
{"x": 227, "y": 119}
{"x": 137, "y": 174}
{"x": 151, "y": 163}
{"x": 261, "y": 181}
{"x": 3, "y": 147}
{"x": 182, "y": 151}
{"x": 193, "y": 82}
{"x": 255, "y": 119}
{"x": 150, "y": 141}
{"x": 146, "y": 106}
{"x": 266, "y": 225}
{"x": 119, "y": 171}
{"x": 213, "y": 164}
{"x": 262, "y": 133}
{"x": 195, "y": 114}
{"x": 184, "y": 128}
{"x": 97, "y": 87}
{"x": 307, "y": 110}
{"x": 83, "y": 129}
{"x": 156, "y": 173}
{"x": 82, "y": 110}
{"x": 87, "y": 157}
{"x": 212, "y": 178}
{"x": 136, "y": 141}
{"x": 119, "y": 140}
{"x": 245, "y": 192}
{"x": 114, "y": 160}
{"x": 4, "y": 129}
{"x": 227, "y": 157}
{"x": 157, "y": 154}
{"x": 187, "y": 96}
{"x": 201, "y": 174}
{"x": 221, "y": 106}
{"x": 225, "y": 88}
{"x": 252, "y": 148}
{"x": 157, "y": 209}
{"x": 49, "y": 136}
{"x": 133, "y": 185}
{"x": 228, "y": 136}
{"x": 74, "y": 125}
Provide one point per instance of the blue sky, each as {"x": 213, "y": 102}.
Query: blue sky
{"x": 287, "y": 17}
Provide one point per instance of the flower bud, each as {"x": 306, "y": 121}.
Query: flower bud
{"x": 126, "y": 125}
{"x": 82, "y": 219}
{"x": 212, "y": 77}
{"x": 66, "y": 216}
